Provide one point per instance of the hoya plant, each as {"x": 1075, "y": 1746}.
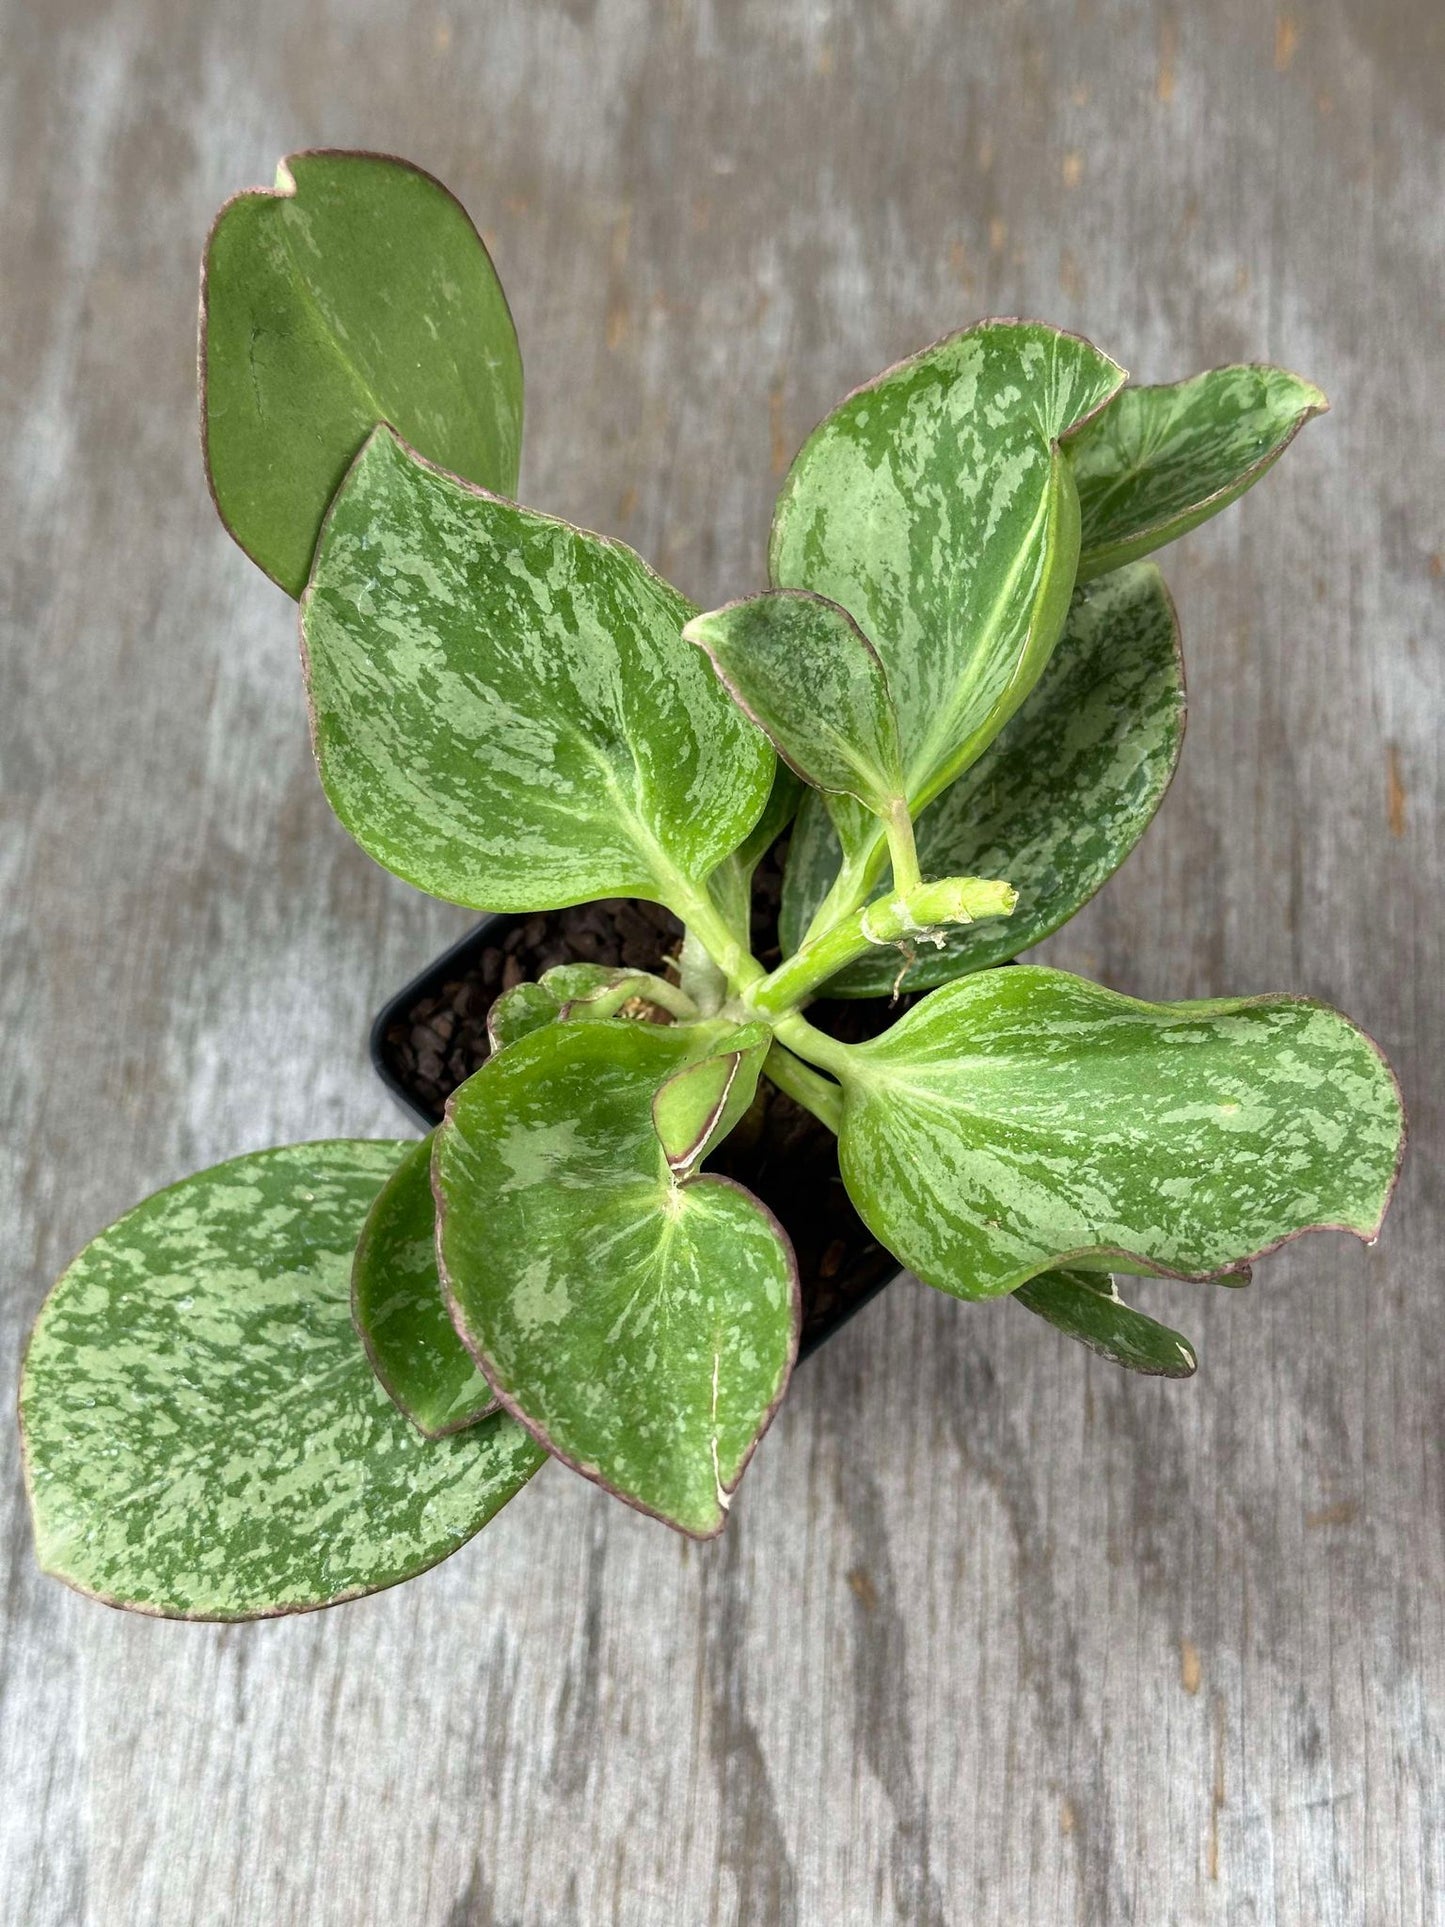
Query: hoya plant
{"x": 311, "y": 1372}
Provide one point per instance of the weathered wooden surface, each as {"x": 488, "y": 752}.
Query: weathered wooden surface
{"x": 998, "y": 1635}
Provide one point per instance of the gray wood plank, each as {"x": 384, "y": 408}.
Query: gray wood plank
{"x": 997, "y": 1635}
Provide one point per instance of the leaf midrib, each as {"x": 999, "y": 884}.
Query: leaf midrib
{"x": 933, "y": 751}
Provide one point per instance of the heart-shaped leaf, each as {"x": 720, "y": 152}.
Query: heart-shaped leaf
{"x": 936, "y": 507}
{"x": 808, "y": 676}
{"x": 1023, "y": 1118}
{"x": 504, "y": 710}
{"x": 400, "y": 1313}
{"x": 1159, "y": 461}
{"x": 356, "y": 292}
{"x": 1088, "y": 1307}
{"x": 1055, "y": 803}
{"x": 204, "y": 1437}
{"x": 642, "y": 1327}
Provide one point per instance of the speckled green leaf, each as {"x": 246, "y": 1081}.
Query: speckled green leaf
{"x": 642, "y": 1327}
{"x": 504, "y": 710}
{"x": 1088, "y": 1308}
{"x": 357, "y": 292}
{"x": 811, "y": 680}
{"x": 204, "y": 1437}
{"x": 1159, "y": 461}
{"x": 1056, "y": 803}
{"x": 400, "y": 1313}
{"x": 1023, "y": 1118}
{"x": 935, "y": 505}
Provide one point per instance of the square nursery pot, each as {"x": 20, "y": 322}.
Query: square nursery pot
{"x": 433, "y": 1034}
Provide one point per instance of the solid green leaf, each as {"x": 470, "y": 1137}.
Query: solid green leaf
{"x": 356, "y": 292}
{"x": 400, "y": 1312}
{"x": 504, "y": 710}
{"x": 204, "y": 1437}
{"x": 936, "y": 507}
{"x": 1055, "y": 803}
{"x": 696, "y": 1108}
{"x": 1020, "y": 1119}
{"x": 1159, "y": 461}
{"x": 642, "y": 1326}
{"x": 811, "y": 680}
{"x": 1088, "y": 1308}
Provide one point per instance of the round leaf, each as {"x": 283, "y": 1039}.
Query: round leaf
{"x": 204, "y": 1437}
{"x": 356, "y": 292}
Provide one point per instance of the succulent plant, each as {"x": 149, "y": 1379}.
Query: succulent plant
{"x": 314, "y": 1371}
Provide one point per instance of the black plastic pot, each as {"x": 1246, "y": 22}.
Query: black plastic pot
{"x": 838, "y": 1275}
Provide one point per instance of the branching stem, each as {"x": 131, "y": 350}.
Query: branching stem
{"x": 923, "y": 911}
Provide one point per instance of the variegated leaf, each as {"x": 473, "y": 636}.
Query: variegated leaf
{"x": 936, "y": 507}
{"x": 356, "y": 292}
{"x": 1020, "y": 1119}
{"x": 1056, "y": 803}
{"x": 642, "y": 1325}
{"x": 1159, "y": 461}
{"x": 808, "y": 676}
{"x": 204, "y": 1436}
{"x": 504, "y": 710}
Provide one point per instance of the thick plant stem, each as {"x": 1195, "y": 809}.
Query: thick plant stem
{"x": 921, "y": 912}
{"x": 707, "y": 924}
{"x": 848, "y": 892}
{"x": 816, "y": 1046}
{"x": 816, "y": 1094}
{"x": 902, "y": 850}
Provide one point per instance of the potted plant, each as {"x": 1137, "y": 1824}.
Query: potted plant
{"x": 313, "y": 1372}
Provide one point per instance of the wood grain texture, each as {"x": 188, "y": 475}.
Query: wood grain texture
{"x": 997, "y": 1634}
